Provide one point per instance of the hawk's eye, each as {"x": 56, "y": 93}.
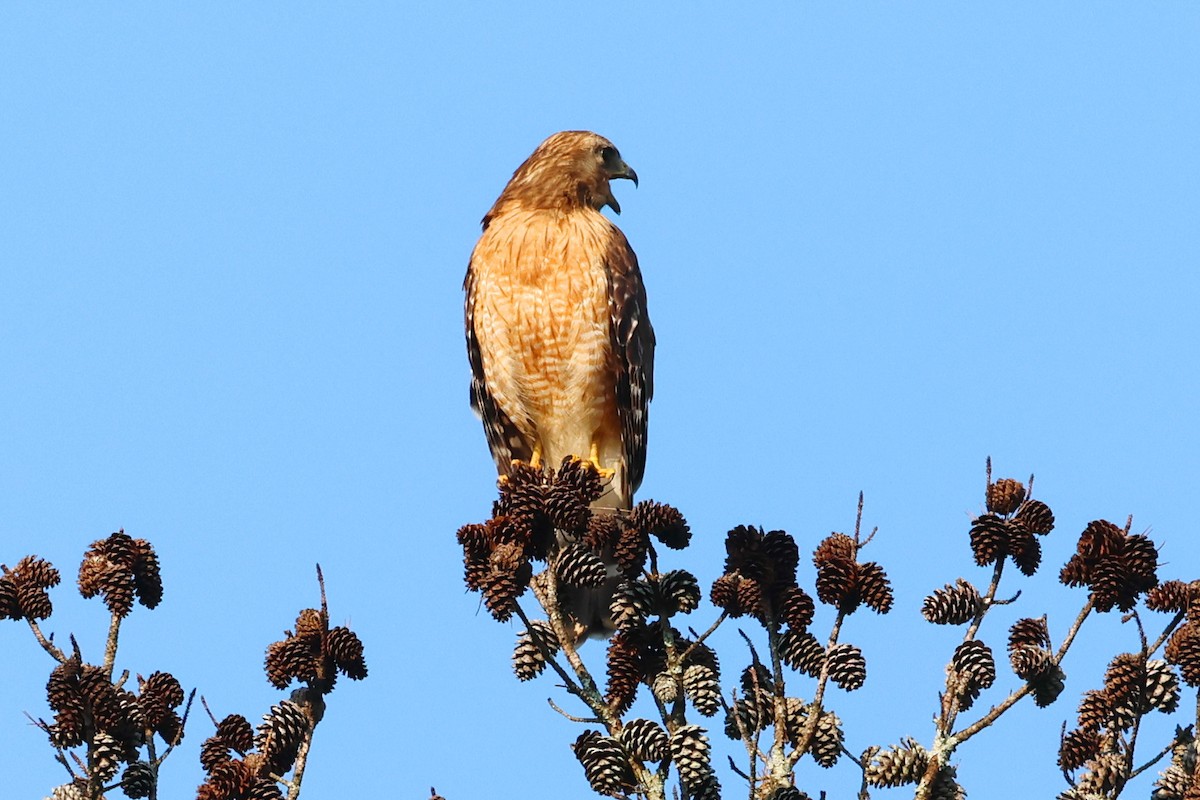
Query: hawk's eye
{"x": 608, "y": 153}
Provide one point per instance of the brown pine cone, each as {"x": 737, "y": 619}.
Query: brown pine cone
{"x": 1028, "y": 631}
{"x": 847, "y": 667}
{"x": 874, "y": 587}
{"x": 1005, "y": 496}
{"x": 952, "y": 605}
{"x": 1077, "y": 748}
{"x": 896, "y": 766}
{"x": 604, "y": 763}
{"x": 346, "y": 650}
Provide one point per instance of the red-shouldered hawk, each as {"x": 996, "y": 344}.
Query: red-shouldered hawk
{"x": 559, "y": 340}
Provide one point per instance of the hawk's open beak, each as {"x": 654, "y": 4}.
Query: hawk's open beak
{"x": 623, "y": 170}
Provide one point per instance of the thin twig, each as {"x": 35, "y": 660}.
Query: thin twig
{"x": 1167, "y": 631}
{"x": 301, "y": 763}
{"x": 110, "y": 646}
{"x": 46, "y": 644}
{"x": 570, "y": 684}
{"x": 587, "y": 720}
{"x": 1154, "y": 760}
{"x": 700, "y": 639}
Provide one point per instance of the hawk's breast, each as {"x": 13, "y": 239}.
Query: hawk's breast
{"x": 541, "y": 311}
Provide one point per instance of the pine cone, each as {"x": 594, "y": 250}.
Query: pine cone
{"x": 701, "y": 686}
{"x": 952, "y": 605}
{"x": 645, "y": 740}
{"x": 874, "y": 586}
{"x": 1077, "y": 748}
{"x": 1026, "y": 550}
{"x": 989, "y": 539}
{"x": 974, "y": 659}
{"x": 1028, "y": 631}
{"x": 779, "y": 548}
{"x": 1094, "y": 710}
{"x": 36, "y": 572}
{"x": 827, "y": 739}
{"x": 1048, "y": 685}
{"x": 847, "y": 667}
{"x": 796, "y": 607}
{"x": 566, "y": 508}
{"x": 10, "y": 608}
{"x": 837, "y": 572}
{"x": 1162, "y": 687}
{"x": 291, "y": 659}
{"x": 164, "y": 688}
{"x": 679, "y": 591}
{"x": 690, "y": 752}
{"x": 1125, "y": 682}
{"x": 757, "y": 678}
{"x": 788, "y": 793}
{"x": 1104, "y": 774}
{"x": 665, "y": 687}
{"x": 280, "y": 734}
{"x": 1035, "y": 517}
{"x": 1170, "y": 596}
{"x": 663, "y": 523}
{"x": 1183, "y": 650}
{"x": 213, "y": 751}
{"x": 346, "y": 650}
{"x": 147, "y": 574}
{"x": 752, "y": 598}
{"x": 746, "y": 717}
{"x": 264, "y": 789}
{"x": 624, "y": 670}
{"x": 235, "y": 732}
{"x": 528, "y": 658}
{"x": 603, "y": 532}
{"x": 632, "y": 602}
{"x": 224, "y": 782}
{"x": 802, "y": 652}
{"x": 33, "y": 602}
{"x": 631, "y": 550}
{"x": 501, "y": 588}
{"x": 580, "y": 476}
{"x": 138, "y": 780}
{"x": 896, "y": 766}
{"x": 1029, "y": 661}
{"x": 1116, "y": 566}
{"x": 105, "y": 757}
{"x": 604, "y": 763}
{"x": 724, "y": 594}
{"x": 1005, "y": 496}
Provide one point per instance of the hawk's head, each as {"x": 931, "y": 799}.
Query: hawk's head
{"x": 571, "y": 169}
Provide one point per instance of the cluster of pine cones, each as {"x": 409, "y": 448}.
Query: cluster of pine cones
{"x": 544, "y": 516}
{"x": 113, "y": 722}
{"x": 270, "y": 751}
{"x": 240, "y": 762}
{"x": 315, "y": 653}
{"x": 89, "y": 709}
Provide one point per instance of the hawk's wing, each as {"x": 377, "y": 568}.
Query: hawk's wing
{"x": 632, "y": 351}
{"x": 503, "y": 438}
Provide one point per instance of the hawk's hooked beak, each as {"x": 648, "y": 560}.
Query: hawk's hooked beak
{"x": 623, "y": 170}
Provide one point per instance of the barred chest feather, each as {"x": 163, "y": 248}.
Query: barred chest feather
{"x": 542, "y": 307}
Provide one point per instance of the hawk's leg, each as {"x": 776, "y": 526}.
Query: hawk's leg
{"x": 594, "y": 458}
{"x": 535, "y": 460}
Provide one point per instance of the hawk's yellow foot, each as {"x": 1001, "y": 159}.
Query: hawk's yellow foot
{"x": 594, "y": 460}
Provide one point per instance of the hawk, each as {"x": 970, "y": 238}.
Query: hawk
{"x": 558, "y": 336}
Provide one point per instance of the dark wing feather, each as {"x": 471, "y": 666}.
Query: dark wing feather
{"x": 503, "y": 438}
{"x": 633, "y": 353}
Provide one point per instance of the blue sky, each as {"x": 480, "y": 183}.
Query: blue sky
{"x": 881, "y": 242}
